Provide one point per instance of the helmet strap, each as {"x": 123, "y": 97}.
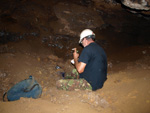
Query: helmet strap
{"x": 91, "y": 36}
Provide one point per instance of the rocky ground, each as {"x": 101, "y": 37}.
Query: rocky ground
{"x": 127, "y": 89}
{"x": 36, "y": 39}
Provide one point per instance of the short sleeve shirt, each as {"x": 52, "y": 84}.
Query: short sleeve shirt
{"x": 95, "y": 71}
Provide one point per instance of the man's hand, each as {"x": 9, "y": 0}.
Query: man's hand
{"x": 80, "y": 66}
{"x": 75, "y": 54}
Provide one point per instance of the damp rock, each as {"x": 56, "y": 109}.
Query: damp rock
{"x": 34, "y": 34}
{"x": 6, "y": 36}
{"x": 85, "y": 17}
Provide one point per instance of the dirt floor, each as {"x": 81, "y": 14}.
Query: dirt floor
{"x": 127, "y": 89}
{"x": 123, "y": 36}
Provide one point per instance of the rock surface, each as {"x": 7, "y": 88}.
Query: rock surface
{"x": 74, "y": 18}
{"x": 138, "y": 6}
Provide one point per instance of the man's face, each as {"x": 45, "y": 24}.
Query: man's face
{"x": 83, "y": 42}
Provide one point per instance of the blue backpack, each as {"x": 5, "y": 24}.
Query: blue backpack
{"x": 28, "y": 88}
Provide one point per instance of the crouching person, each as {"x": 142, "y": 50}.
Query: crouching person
{"x": 91, "y": 65}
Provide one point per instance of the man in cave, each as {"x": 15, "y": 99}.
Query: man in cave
{"x": 91, "y": 65}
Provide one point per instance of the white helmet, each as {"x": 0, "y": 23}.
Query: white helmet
{"x": 85, "y": 33}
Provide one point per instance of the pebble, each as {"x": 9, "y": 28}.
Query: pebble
{"x": 104, "y": 103}
{"x": 3, "y": 74}
{"x": 144, "y": 52}
{"x": 57, "y": 67}
{"x": 95, "y": 100}
{"x": 110, "y": 65}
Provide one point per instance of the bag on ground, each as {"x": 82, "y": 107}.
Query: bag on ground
{"x": 28, "y": 88}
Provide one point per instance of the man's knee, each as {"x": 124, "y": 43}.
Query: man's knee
{"x": 72, "y": 84}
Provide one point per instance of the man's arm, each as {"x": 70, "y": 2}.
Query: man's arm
{"x": 80, "y": 66}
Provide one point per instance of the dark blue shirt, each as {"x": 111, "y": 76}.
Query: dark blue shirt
{"x": 95, "y": 71}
